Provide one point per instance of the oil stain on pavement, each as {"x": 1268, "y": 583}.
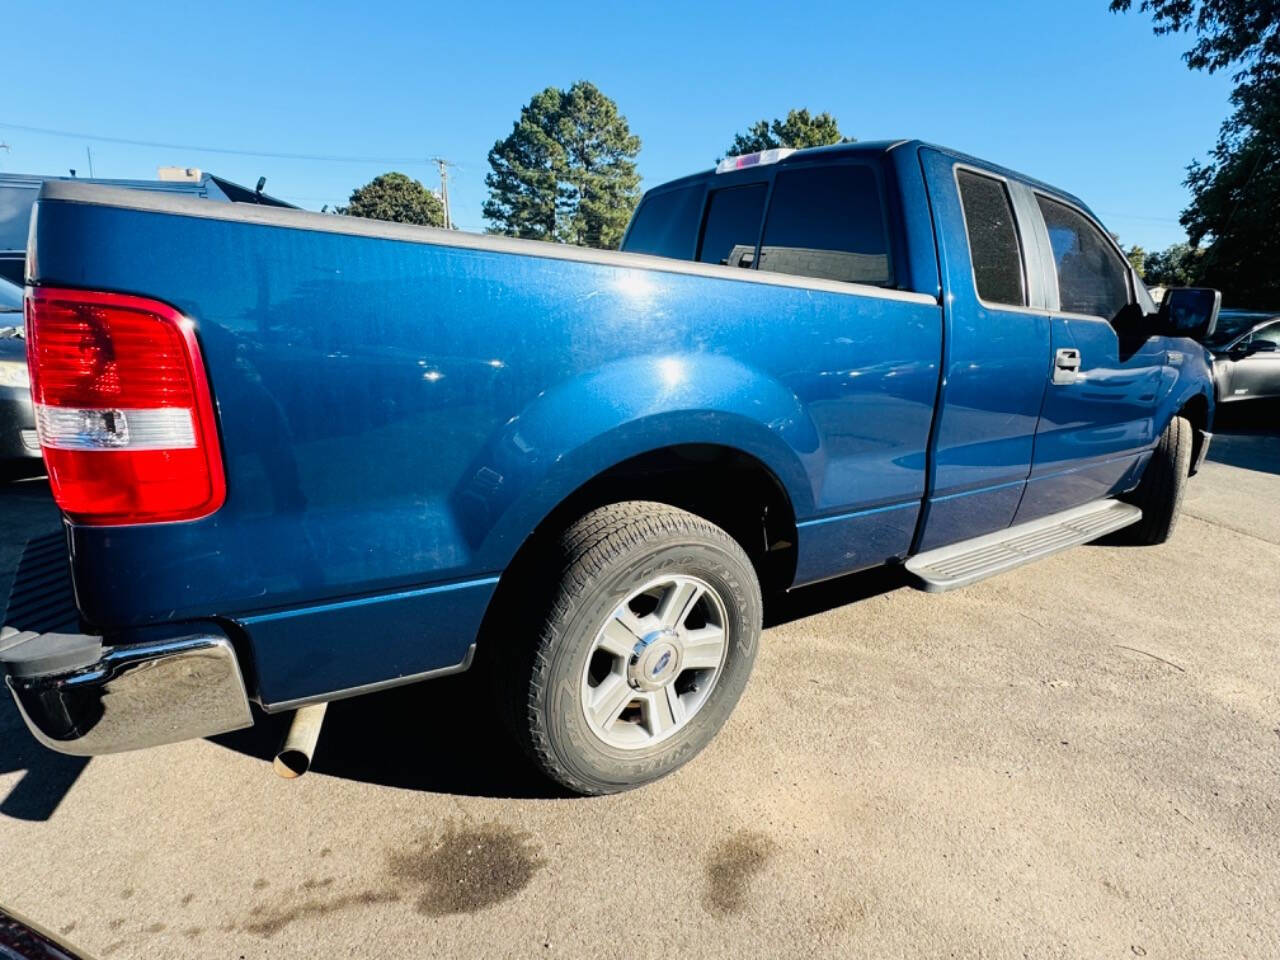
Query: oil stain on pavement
{"x": 730, "y": 868}
{"x": 462, "y": 870}
{"x": 268, "y": 921}
{"x": 468, "y": 868}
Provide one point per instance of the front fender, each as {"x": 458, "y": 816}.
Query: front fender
{"x": 573, "y": 432}
{"x": 1190, "y": 369}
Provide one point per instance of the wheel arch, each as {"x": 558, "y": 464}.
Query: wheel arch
{"x": 690, "y": 413}
{"x": 725, "y": 485}
{"x": 1197, "y": 410}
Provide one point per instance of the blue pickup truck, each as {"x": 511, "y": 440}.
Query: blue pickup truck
{"x": 305, "y": 457}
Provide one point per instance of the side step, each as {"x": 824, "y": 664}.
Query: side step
{"x": 964, "y": 563}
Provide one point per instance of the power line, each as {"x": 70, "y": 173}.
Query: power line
{"x": 325, "y": 158}
{"x": 1135, "y": 216}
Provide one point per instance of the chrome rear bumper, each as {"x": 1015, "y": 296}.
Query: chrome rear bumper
{"x": 80, "y": 697}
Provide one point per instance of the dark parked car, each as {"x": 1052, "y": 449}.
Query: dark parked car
{"x": 1246, "y": 356}
{"x": 22, "y": 940}
{"x": 19, "y": 448}
{"x": 18, "y": 194}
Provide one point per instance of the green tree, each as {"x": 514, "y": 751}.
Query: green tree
{"x": 800, "y": 129}
{"x": 566, "y": 172}
{"x": 1236, "y": 191}
{"x": 395, "y": 197}
{"x": 1177, "y": 266}
{"x": 1137, "y": 259}
{"x": 1236, "y": 202}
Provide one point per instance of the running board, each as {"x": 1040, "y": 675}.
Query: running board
{"x": 964, "y": 563}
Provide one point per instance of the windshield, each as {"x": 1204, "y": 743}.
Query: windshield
{"x": 1233, "y": 323}
{"x": 10, "y": 297}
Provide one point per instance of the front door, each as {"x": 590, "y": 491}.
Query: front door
{"x": 1097, "y": 423}
{"x": 996, "y": 353}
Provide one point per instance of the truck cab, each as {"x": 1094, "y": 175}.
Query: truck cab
{"x": 1052, "y": 389}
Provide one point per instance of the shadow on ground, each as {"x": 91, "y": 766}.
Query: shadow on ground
{"x": 28, "y": 514}
{"x": 809, "y": 601}
{"x": 1247, "y": 435}
{"x": 444, "y": 736}
{"x": 46, "y": 776}
{"x": 441, "y": 736}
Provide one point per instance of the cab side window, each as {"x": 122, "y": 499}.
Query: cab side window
{"x": 994, "y": 249}
{"x": 1092, "y": 278}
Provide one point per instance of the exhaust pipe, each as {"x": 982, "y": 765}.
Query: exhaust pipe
{"x": 294, "y": 756}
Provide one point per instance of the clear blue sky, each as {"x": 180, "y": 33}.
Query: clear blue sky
{"x": 1065, "y": 91}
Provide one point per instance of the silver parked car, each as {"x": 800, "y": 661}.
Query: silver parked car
{"x": 1246, "y": 355}
{"x": 19, "y": 448}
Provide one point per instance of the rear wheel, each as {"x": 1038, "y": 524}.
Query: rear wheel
{"x": 647, "y": 632}
{"x": 1160, "y": 492}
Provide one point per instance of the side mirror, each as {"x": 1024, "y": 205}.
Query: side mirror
{"x": 1190, "y": 312}
{"x": 1261, "y": 346}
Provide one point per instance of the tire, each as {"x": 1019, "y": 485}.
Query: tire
{"x": 1160, "y": 491}
{"x": 562, "y": 687}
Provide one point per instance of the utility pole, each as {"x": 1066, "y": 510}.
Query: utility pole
{"x": 89, "y": 152}
{"x": 444, "y": 190}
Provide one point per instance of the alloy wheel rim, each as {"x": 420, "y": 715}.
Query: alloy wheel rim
{"x": 654, "y": 662}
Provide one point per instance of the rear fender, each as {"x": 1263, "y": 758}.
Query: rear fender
{"x": 573, "y": 432}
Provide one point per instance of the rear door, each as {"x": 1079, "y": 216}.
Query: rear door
{"x": 996, "y": 352}
{"x": 1097, "y": 423}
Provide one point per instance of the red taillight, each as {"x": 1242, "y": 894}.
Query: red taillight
{"x": 123, "y": 408}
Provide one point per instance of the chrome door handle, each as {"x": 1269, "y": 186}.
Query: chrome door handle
{"x": 1066, "y": 365}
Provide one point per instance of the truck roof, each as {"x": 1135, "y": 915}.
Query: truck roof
{"x": 880, "y": 147}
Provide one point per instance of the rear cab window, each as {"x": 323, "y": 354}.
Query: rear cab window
{"x": 826, "y": 221}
